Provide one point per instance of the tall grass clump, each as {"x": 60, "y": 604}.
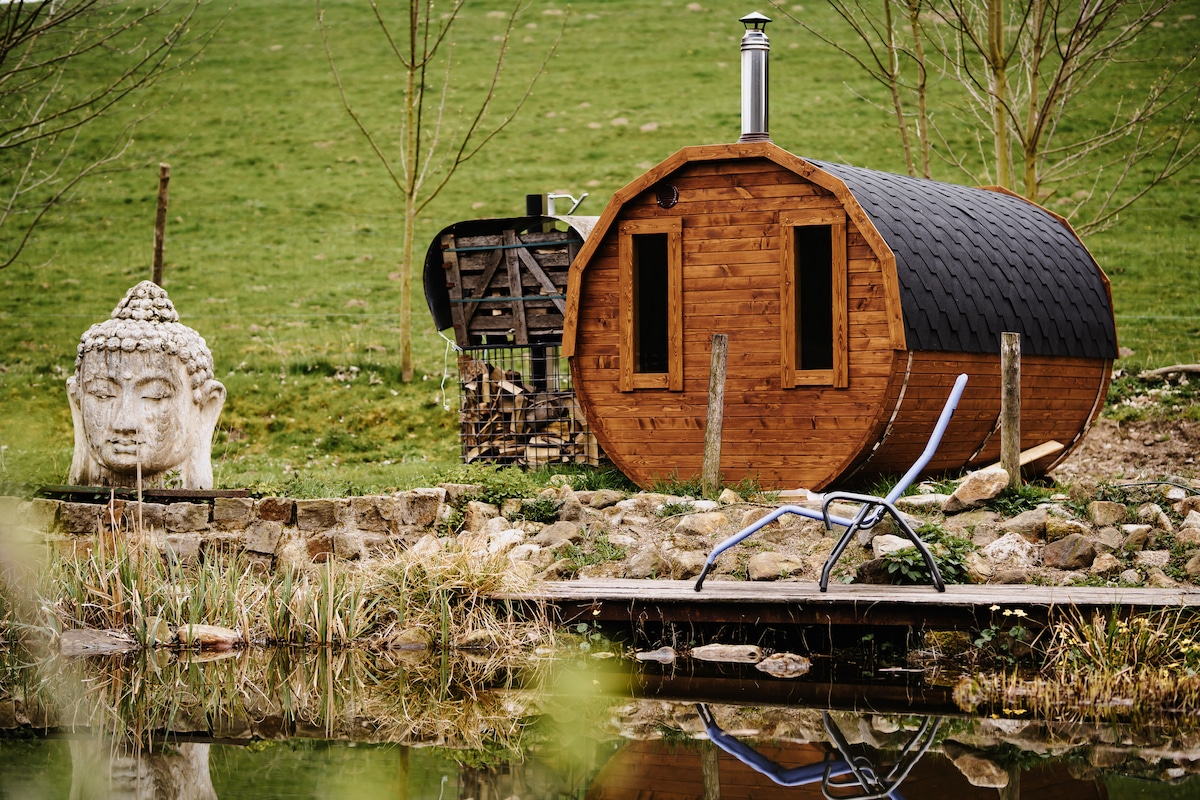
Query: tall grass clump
{"x": 1103, "y": 666}
{"x": 440, "y": 595}
{"x": 437, "y": 596}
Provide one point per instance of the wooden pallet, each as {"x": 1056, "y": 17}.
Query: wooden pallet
{"x": 509, "y": 287}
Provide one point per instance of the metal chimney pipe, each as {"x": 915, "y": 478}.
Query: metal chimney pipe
{"x": 755, "y": 50}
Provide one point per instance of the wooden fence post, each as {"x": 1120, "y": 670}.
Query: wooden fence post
{"x": 1010, "y": 406}
{"x": 160, "y": 222}
{"x": 711, "y": 473}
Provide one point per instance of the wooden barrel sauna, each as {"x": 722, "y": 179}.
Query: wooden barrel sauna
{"x": 851, "y": 299}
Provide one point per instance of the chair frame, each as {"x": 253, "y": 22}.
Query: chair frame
{"x": 843, "y": 775}
{"x": 871, "y": 511}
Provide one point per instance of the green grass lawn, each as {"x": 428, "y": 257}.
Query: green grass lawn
{"x": 283, "y": 235}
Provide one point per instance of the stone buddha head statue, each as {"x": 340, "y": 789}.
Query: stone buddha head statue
{"x": 143, "y": 398}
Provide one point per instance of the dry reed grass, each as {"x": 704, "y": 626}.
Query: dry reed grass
{"x": 436, "y": 597}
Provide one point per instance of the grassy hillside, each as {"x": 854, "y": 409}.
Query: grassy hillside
{"x": 283, "y": 238}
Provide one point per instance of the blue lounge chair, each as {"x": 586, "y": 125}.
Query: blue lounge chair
{"x": 871, "y": 511}
{"x": 844, "y": 776}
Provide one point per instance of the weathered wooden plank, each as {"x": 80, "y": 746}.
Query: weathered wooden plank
{"x": 801, "y": 602}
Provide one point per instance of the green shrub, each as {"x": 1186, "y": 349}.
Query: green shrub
{"x": 949, "y": 553}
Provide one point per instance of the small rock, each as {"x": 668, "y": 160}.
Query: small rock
{"x": 663, "y": 655}
{"x": 728, "y": 653}
{"x": 504, "y": 541}
{"x": 428, "y": 546}
{"x": 1011, "y": 549}
{"x": 1103, "y": 513}
{"x": 540, "y": 557}
{"x": 729, "y": 497}
{"x": 705, "y": 506}
{"x": 476, "y": 515}
{"x": 208, "y": 637}
{"x": 784, "y": 665}
{"x": 922, "y": 502}
{"x": 1192, "y": 520}
{"x": 684, "y": 563}
{"x": 604, "y": 498}
{"x": 1189, "y": 537}
{"x": 1173, "y": 493}
{"x": 1130, "y": 576}
{"x": 982, "y": 772}
{"x": 1188, "y": 504}
{"x": 646, "y": 563}
{"x": 1158, "y": 579}
{"x": 1192, "y": 567}
{"x": 1136, "y": 537}
{"x": 978, "y": 568}
{"x": 1030, "y": 524}
{"x": 1061, "y": 527}
{"x": 559, "y": 570}
{"x": 1070, "y": 552}
{"x": 558, "y": 534}
{"x": 887, "y": 543}
{"x": 1011, "y": 576}
{"x": 1108, "y": 540}
{"x": 976, "y": 489}
{"x": 704, "y": 524}
{"x": 1152, "y": 558}
{"x": 570, "y": 508}
{"x": 495, "y": 525}
{"x": 1152, "y": 514}
{"x": 772, "y": 566}
{"x": 1105, "y": 565}
{"x": 873, "y": 572}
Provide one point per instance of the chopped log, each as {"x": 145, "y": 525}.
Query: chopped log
{"x": 502, "y": 418}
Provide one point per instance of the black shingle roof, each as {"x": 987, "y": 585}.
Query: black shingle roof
{"x": 972, "y": 264}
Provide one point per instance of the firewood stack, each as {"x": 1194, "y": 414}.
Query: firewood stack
{"x": 505, "y": 420}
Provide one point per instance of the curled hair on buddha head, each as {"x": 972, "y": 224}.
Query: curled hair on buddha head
{"x": 146, "y": 321}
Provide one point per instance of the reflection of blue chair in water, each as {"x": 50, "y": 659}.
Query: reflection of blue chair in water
{"x": 843, "y": 776}
{"x": 871, "y": 511}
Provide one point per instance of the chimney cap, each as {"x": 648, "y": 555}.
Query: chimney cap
{"x": 755, "y": 21}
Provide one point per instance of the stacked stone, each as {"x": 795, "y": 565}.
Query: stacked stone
{"x": 264, "y": 529}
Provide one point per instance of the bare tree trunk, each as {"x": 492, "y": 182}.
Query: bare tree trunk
{"x": 1031, "y": 140}
{"x": 998, "y": 86}
{"x": 412, "y": 144}
{"x": 914, "y": 21}
{"x": 893, "y": 67}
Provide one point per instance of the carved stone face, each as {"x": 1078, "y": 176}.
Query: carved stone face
{"x": 137, "y": 407}
{"x": 143, "y": 397}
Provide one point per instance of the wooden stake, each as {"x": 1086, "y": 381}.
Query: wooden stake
{"x": 710, "y": 768}
{"x": 1010, "y": 406}
{"x": 711, "y": 472}
{"x": 160, "y": 222}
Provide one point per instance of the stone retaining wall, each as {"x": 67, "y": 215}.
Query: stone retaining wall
{"x": 261, "y": 528}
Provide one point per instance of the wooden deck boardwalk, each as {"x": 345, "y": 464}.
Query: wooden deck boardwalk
{"x": 802, "y": 603}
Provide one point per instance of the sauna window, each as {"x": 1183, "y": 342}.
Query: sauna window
{"x": 813, "y": 302}
{"x": 651, "y": 305}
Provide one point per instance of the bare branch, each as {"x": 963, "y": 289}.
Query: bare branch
{"x": 42, "y": 112}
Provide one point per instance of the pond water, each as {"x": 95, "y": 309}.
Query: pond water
{"x": 304, "y": 724}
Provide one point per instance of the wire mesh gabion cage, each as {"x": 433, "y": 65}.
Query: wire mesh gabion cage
{"x": 517, "y": 406}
